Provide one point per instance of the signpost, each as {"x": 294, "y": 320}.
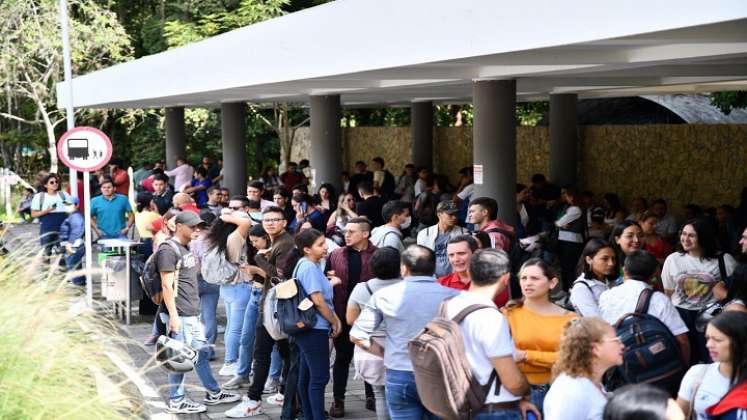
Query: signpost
{"x": 85, "y": 149}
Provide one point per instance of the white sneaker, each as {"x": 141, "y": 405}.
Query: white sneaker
{"x": 271, "y": 386}
{"x": 276, "y": 399}
{"x": 246, "y": 408}
{"x": 228, "y": 369}
{"x": 185, "y": 406}
{"x": 221, "y": 397}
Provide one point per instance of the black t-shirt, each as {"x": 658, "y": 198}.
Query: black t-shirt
{"x": 354, "y": 269}
{"x": 371, "y": 208}
{"x": 187, "y": 295}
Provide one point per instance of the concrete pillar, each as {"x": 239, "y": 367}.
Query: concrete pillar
{"x": 421, "y": 134}
{"x": 176, "y": 136}
{"x": 494, "y": 144}
{"x": 234, "y": 147}
{"x": 563, "y": 138}
{"x": 326, "y": 140}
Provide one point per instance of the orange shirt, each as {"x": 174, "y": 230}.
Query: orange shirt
{"x": 452, "y": 281}
{"x": 539, "y": 336}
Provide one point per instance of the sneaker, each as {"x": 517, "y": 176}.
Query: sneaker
{"x": 228, "y": 369}
{"x": 221, "y": 397}
{"x": 271, "y": 386}
{"x": 276, "y": 399}
{"x": 151, "y": 340}
{"x": 185, "y": 406}
{"x": 220, "y": 329}
{"x": 236, "y": 382}
{"x": 246, "y": 408}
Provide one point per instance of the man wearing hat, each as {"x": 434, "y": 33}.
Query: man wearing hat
{"x": 180, "y": 311}
{"x": 72, "y": 231}
{"x": 436, "y": 237}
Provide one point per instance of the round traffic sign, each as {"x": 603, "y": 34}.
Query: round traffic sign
{"x": 84, "y": 149}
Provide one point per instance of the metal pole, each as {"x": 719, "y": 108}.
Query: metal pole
{"x": 67, "y": 62}
{"x": 89, "y": 253}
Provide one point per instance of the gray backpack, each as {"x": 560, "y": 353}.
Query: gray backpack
{"x": 216, "y": 269}
{"x": 270, "y": 318}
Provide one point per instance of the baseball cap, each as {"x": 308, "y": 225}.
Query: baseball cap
{"x": 72, "y": 200}
{"x": 447, "y": 206}
{"x": 189, "y": 218}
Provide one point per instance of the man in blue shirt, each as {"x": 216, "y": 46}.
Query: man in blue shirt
{"x": 401, "y": 311}
{"x": 111, "y": 214}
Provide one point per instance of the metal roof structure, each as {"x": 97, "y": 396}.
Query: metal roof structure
{"x": 390, "y": 52}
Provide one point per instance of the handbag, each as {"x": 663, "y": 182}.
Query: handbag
{"x": 295, "y": 310}
{"x": 711, "y": 310}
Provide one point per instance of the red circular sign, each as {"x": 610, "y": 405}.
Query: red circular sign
{"x": 84, "y": 149}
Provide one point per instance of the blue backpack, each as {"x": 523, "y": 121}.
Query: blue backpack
{"x": 652, "y": 355}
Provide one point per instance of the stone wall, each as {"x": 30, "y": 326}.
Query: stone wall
{"x": 702, "y": 164}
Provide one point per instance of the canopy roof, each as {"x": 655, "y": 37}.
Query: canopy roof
{"x": 390, "y": 52}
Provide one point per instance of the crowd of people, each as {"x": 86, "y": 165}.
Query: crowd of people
{"x": 384, "y": 256}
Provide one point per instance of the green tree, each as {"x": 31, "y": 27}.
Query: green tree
{"x": 31, "y": 57}
{"x": 726, "y": 101}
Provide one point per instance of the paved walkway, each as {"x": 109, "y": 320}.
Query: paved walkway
{"x": 16, "y": 236}
{"x": 140, "y": 329}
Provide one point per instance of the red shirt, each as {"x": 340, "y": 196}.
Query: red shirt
{"x": 121, "y": 182}
{"x": 452, "y": 281}
{"x": 82, "y": 205}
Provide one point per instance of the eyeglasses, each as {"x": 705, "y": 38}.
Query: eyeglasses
{"x": 272, "y": 220}
{"x": 607, "y": 340}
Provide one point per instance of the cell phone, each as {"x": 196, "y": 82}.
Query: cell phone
{"x": 531, "y": 416}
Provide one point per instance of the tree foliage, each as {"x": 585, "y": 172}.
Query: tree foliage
{"x": 727, "y": 101}
{"x": 31, "y": 58}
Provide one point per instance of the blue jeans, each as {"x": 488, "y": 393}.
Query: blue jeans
{"x": 193, "y": 334}
{"x": 504, "y": 414}
{"x": 209, "y": 294}
{"x": 276, "y": 364}
{"x": 402, "y": 396}
{"x": 72, "y": 262}
{"x": 538, "y": 393}
{"x": 246, "y": 343}
{"x": 313, "y": 372}
{"x": 236, "y": 298}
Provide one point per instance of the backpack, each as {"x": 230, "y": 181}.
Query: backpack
{"x": 443, "y": 376}
{"x": 652, "y": 354}
{"x": 426, "y": 210}
{"x": 150, "y": 279}
{"x": 270, "y": 318}
{"x": 216, "y": 269}
{"x": 43, "y": 195}
{"x": 295, "y": 311}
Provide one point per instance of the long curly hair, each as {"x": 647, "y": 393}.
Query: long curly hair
{"x": 575, "y": 353}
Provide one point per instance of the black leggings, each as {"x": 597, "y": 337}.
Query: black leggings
{"x": 263, "y": 344}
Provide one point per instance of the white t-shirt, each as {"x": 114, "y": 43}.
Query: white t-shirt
{"x": 360, "y": 296}
{"x": 182, "y": 176}
{"x": 692, "y": 279}
{"x": 713, "y": 387}
{"x": 585, "y": 301}
{"x": 486, "y": 335}
{"x": 622, "y": 299}
{"x": 574, "y": 399}
{"x": 49, "y": 202}
{"x": 467, "y": 193}
{"x": 571, "y": 214}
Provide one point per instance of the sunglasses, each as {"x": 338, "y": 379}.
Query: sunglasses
{"x": 52, "y": 181}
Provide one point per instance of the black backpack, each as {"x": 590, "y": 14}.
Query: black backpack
{"x": 426, "y": 211}
{"x": 652, "y": 355}
{"x": 295, "y": 310}
{"x": 150, "y": 279}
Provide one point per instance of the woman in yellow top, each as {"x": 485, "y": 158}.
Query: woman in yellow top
{"x": 536, "y": 326}
{"x": 147, "y": 212}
